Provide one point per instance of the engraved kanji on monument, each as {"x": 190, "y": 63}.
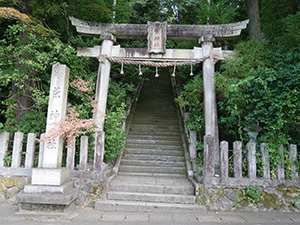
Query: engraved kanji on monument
{"x": 157, "y": 36}
{"x": 56, "y": 112}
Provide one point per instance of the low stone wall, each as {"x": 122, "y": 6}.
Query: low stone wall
{"x": 257, "y": 198}
{"x": 10, "y": 186}
{"x": 89, "y": 191}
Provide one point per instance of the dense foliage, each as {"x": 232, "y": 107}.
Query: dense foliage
{"x": 260, "y": 88}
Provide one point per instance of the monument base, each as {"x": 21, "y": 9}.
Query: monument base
{"x": 50, "y": 194}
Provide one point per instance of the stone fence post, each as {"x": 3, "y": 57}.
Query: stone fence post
{"x": 224, "y": 159}
{"x": 237, "y": 151}
{"x": 251, "y": 147}
{"x": 209, "y": 170}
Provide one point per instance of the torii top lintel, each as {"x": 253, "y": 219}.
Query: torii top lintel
{"x": 174, "y": 32}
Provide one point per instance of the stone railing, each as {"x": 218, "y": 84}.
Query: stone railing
{"x": 18, "y": 157}
{"x": 232, "y": 162}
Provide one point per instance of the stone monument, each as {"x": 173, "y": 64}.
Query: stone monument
{"x": 51, "y": 190}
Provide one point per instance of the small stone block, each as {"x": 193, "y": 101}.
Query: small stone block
{"x": 43, "y": 189}
{"x": 40, "y": 209}
{"x": 45, "y": 176}
{"x": 48, "y": 199}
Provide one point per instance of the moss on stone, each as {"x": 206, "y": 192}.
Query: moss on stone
{"x": 221, "y": 192}
{"x": 9, "y": 182}
{"x": 98, "y": 190}
{"x": 201, "y": 198}
{"x": 269, "y": 200}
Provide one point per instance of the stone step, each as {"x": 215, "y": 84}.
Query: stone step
{"x": 153, "y": 137}
{"x": 130, "y": 206}
{"x": 157, "y": 92}
{"x": 154, "y": 127}
{"x": 154, "y": 146}
{"x": 154, "y": 121}
{"x": 151, "y": 197}
{"x": 149, "y": 115}
{"x": 162, "y": 131}
{"x": 153, "y": 169}
{"x": 147, "y": 174}
{"x": 160, "y": 163}
{"x": 159, "y": 189}
{"x": 157, "y": 108}
{"x": 169, "y": 134}
{"x": 156, "y": 113}
{"x": 153, "y": 152}
{"x": 173, "y": 133}
{"x": 154, "y": 157}
{"x": 154, "y": 142}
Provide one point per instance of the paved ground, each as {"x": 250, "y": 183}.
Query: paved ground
{"x": 88, "y": 216}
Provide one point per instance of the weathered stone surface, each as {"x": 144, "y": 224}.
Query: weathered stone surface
{"x": 10, "y": 192}
{"x": 209, "y": 156}
{"x": 56, "y": 112}
{"x": 17, "y": 149}
{"x": 4, "y": 137}
{"x": 90, "y": 190}
{"x": 283, "y": 198}
{"x": 51, "y": 209}
{"x": 230, "y": 194}
{"x": 43, "y": 189}
{"x": 85, "y": 185}
{"x": 174, "y": 32}
{"x": 54, "y": 199}
{"x": 45, "y": 176}
{"x": 10, "y": 186}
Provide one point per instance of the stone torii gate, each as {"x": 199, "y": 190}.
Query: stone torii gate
{"x": 157, "y": 33}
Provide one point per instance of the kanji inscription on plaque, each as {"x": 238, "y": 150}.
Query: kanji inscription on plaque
{"x": 157, "y": 33}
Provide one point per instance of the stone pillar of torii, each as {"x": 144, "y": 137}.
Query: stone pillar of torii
{"x": 157, "y": 34}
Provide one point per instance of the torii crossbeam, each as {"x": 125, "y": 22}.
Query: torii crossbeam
{"x": 157, "y": 33}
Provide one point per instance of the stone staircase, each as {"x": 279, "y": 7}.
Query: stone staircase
{"x": 152, "y": 175}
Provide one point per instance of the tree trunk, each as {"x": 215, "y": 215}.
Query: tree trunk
{"x": 254, "y": 23}
{"x": 24, "y": 102}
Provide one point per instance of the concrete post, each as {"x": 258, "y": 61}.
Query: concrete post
{"x": 266, "y": 160}
{"x": 83, "y": 152}
{"x": 30, "y": 148}
{"x": 101, "y": 97}
{"x": 41, "y": 151}
{"x": 71, "y": 155}
{"x": 293, "y": 157}
{"x": 56, "y": 112}
{"x": 224, "y": 159}
{"x": 210, "y": 105}
{"x": 237, "y": 151}
{"x": 192, "y": 146}
{"x": 17, "y": 149}
{"x": 280, "y": 166}
{"x": 4, "y": 137}
{"x": 99, "y": 150}
{"x": 103, "y": 79}
{"x": 251, "y": 146}
{"x": 208, "y": 156}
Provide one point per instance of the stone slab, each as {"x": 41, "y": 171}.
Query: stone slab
{"x": 151, "y": 197}
{"x": 44, "y": 189}
{"x": 16, "y": 171}
{"x": 128, "y": 206}
{"x": 45, "y": 209}
{"x": 47, "y": 176}
{"x": 48, "y": 199}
